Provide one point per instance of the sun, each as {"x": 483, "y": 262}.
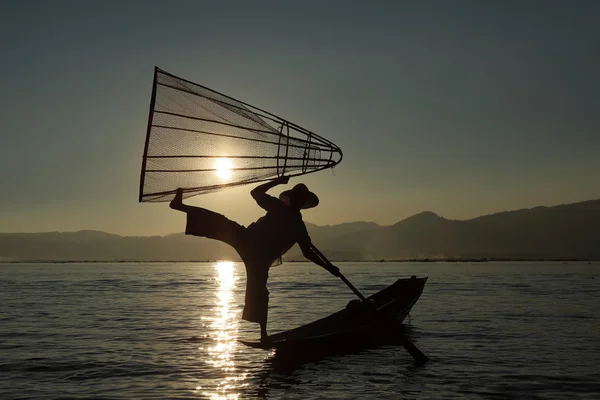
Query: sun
{"x": 223, "y": 168}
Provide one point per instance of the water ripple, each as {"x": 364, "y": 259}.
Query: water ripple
{"x": 114, "y": 331}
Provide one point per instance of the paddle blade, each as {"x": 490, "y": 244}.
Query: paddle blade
{"x": 418, "y": 355}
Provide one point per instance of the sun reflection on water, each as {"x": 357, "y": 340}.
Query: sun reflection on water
{"x": 223, "y": 332}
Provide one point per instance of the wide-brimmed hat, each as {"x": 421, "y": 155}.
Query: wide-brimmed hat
{"x": 300, "y": 191}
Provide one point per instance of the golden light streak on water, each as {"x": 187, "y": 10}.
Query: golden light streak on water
{"x": 224, "y": 331}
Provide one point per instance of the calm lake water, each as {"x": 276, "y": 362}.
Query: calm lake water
{"x": 169, "y": 331}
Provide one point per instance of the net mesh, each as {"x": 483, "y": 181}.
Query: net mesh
{"x": 203, "y": 141}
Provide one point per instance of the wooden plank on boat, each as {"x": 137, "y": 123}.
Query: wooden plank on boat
{"x": 257, "y": 344}
{"x": 295, "y": 343}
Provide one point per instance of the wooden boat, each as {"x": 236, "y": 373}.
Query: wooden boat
{"x": 356, "y": 326}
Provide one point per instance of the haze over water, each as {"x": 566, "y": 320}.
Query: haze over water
{"x": 155, "y": 331}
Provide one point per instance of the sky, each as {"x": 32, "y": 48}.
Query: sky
{"x": 463, "y": 108}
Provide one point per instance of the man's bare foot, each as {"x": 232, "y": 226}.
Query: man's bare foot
{"x": 177, "y": 202}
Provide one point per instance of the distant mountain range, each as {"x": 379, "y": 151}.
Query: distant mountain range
{"x": 570, "y": 231}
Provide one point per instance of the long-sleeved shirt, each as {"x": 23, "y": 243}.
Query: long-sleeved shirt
{"x": 277, "y": 231}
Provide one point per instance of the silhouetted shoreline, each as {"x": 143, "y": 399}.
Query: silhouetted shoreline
{"x": 560, "y": 233}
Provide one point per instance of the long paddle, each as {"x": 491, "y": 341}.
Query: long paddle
{"x": 418, "y": 355}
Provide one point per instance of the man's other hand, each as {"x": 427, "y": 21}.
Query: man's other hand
{"x": 282, "y": 180}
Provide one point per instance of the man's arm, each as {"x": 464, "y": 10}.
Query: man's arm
{"x": 309, "y": 252}
{"x": 265, "y": 201}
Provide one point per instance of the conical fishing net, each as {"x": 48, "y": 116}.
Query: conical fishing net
{"x": 203, "y": 141}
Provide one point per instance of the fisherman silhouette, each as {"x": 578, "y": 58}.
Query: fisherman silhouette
{"x": 262, "y": 243}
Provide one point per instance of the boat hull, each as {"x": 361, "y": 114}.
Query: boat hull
{"x": 354, "y": 327}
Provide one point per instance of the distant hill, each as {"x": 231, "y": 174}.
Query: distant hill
{"x": 570, "y": 231}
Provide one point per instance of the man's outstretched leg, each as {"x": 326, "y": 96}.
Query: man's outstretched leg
{"x": 205, "y": 223}
{"x": 177, "y": 202}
